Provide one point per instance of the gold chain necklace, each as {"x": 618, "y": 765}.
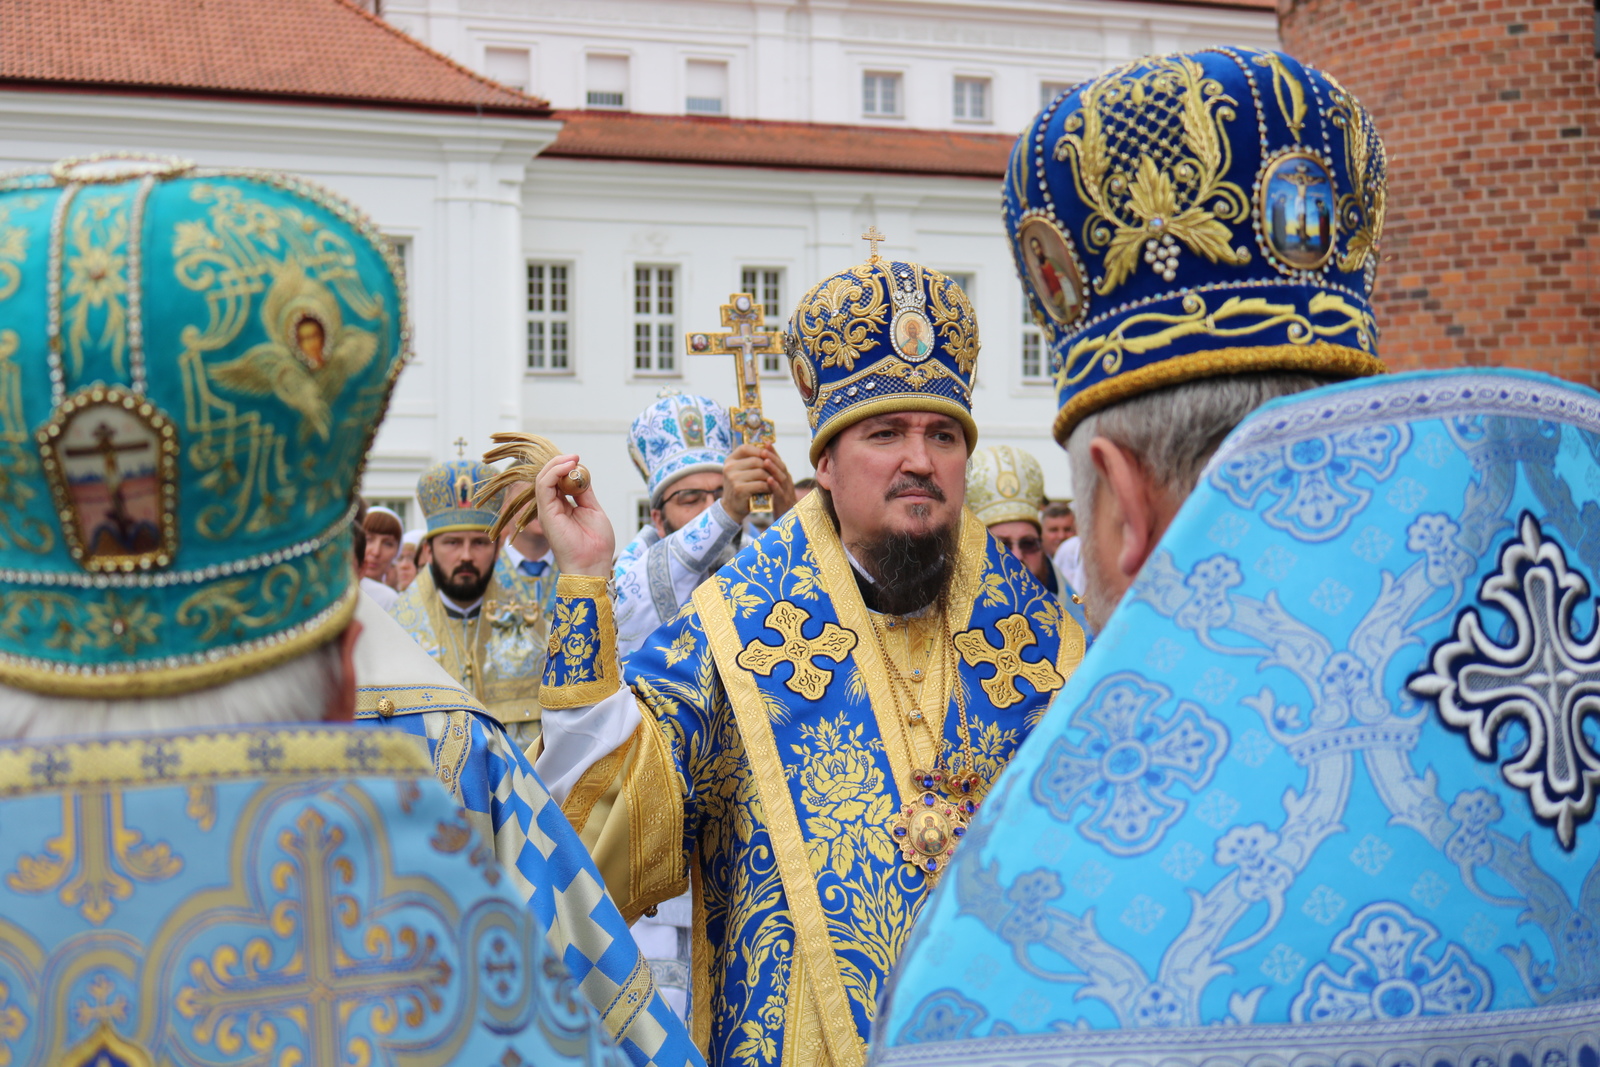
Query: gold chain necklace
{"x": 463, "y": 648}
{"x": 929, "y": 825}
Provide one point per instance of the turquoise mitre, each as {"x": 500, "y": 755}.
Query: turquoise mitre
{"x": 305, "y": 895}
{"x": 192, "y": 366}
{"x": 879, "y": 337}
{"x": 446, "y": 491}
{"x": 1323, "y": 791}
{"x": 1187, "y": 216}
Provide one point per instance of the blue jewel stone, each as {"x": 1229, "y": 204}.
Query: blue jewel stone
{"x": 927, "y": 798}
{"x": 899, "y": 831}
{"x": 933, "y": 865}
{"x": 958, "y": 831}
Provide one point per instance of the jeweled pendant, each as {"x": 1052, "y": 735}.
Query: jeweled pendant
{"x": 927, "y": 831}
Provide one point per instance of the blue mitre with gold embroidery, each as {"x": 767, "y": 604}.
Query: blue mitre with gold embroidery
{"x": 1187, "y": 216}
{"x": 445, "y": 492}
{"x": 192, "y": 366}
{"x": 1324, "y": 790}
{"x": 677, "y": 435}
{"x": 883, "y": 336}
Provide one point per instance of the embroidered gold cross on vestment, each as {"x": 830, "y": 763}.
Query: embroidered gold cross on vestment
{"x": 809, "y": 680}
{"x": 1008, "y": 662}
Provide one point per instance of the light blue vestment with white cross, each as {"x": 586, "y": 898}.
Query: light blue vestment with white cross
{"x": 1322, "y": 791}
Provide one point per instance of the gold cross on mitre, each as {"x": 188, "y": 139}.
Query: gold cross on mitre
{"x": 747, "y": 338}
{"x": 461, "y": 444}
{"x": 873, "y": 237}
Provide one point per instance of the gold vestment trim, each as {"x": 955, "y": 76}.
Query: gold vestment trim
{"x": 1335, "y": 361}
{"x": 202, "y": 758}
{"x": 608, "y": 675}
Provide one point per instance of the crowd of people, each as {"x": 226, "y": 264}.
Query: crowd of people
{"x": 1272, "y": 746}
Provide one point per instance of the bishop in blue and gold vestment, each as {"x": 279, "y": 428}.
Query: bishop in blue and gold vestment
{"x": 807, "y": 761}
{"x": 220, "y": 869}
{"x": 1323, "y": 792}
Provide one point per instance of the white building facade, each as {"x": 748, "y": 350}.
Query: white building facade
{"x": 611, "y": 233}
{"x": 551, "y": 288}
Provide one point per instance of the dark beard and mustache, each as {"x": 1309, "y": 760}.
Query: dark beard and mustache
{"x": 465, "y": 586}
{"x": 908, "y": 570}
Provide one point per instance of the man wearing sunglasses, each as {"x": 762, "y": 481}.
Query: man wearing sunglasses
{"x": 1004, "y": 488}
{"x": 700, "y": 489}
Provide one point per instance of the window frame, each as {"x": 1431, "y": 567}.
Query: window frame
{"x": 772, "y": 364}
{"x": 724, "y": 103}
{"x": 1032, "y": 337}
{"x": 548, "y": 318}
{"x": 959, "y": 101}
{"x": 899, "y": 79}
{"x": 666, "y": 324}
{"x": 589, "y": 93}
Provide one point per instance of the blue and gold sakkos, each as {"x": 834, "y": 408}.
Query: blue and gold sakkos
{"x": 775, "y": 765}
{"x": 883, "y": 336}
{"x": 192, "y": 363}
{"x": 298, "y": 895}
{"x": 1195, "y": 215}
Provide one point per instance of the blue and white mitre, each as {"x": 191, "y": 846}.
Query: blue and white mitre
{"x": 678, "y": 435}
{"x": 883, "y": 336}
{"x": 445, "y": 491}
{"x": 192, "y": 366}
{"x": 1323, "y": 791}
{"x": 1187, "y": 216}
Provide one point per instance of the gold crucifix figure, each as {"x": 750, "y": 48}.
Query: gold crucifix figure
{"x": 747, "y": 338}
{"x": 461, "y": 444}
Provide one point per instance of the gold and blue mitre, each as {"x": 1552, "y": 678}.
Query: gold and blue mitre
{"x": 192, "y": 366}
{"x": 883, "y": 336}
{"x": 1004, "y": 484}
{"x": 445, "y": 492}
{"x": 1195, "y": 215}
{"x": 678, "y": 435}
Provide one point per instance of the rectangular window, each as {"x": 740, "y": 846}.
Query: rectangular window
{"x": 641, "y": 513}
{"x": 972, "y": 99}
{"x": 707, "y": 86}
{"x": 655, "y": 320}
{"x": 1035, "y": 366}
{"x": 1048, "y": 91}
{"x": 766, "y": 285}
{"x": 400, "y": 505}
{"x": 550, "y": 318}
{"x": 508, "y": 66}
{"x": 880, "y": 93}
{"x": 606, "y": 81}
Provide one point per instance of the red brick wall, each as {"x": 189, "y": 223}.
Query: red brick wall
{"x": 1491, "y": 113}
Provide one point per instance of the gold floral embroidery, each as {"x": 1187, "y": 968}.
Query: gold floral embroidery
{"x": 838, "y": 316}
{"x": 843, "y": 791}
{"x": 18, "y": 463}
{"x": 242, "y": 251}
{"x": 97, "y": 281}
{"x": 125, "y": 623}
{"x": 1142, "y": 189}
{"x": 953, "y": 318}
{"x": 1363, "y": 210}
{"x": 1254, "y": 314}
{"x": 1286, "y": 87}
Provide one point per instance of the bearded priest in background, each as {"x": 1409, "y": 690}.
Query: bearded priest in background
{"x": 808, "y": 737}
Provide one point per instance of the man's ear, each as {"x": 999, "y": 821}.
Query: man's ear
{"x": 1142, "y": 509}
{"x": 342, "y": 701}
{"x": 824, "y": 473}
{"x": 659, "y": 521}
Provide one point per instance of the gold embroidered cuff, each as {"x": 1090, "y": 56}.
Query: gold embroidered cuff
{"x": 581, "y": 667}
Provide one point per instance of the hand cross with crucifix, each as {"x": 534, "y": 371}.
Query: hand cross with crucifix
{"x": 747, "y": 337}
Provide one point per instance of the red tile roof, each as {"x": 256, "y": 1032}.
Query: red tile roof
{"x": 327, "y": 51}
{"x": 796, "y": 145}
